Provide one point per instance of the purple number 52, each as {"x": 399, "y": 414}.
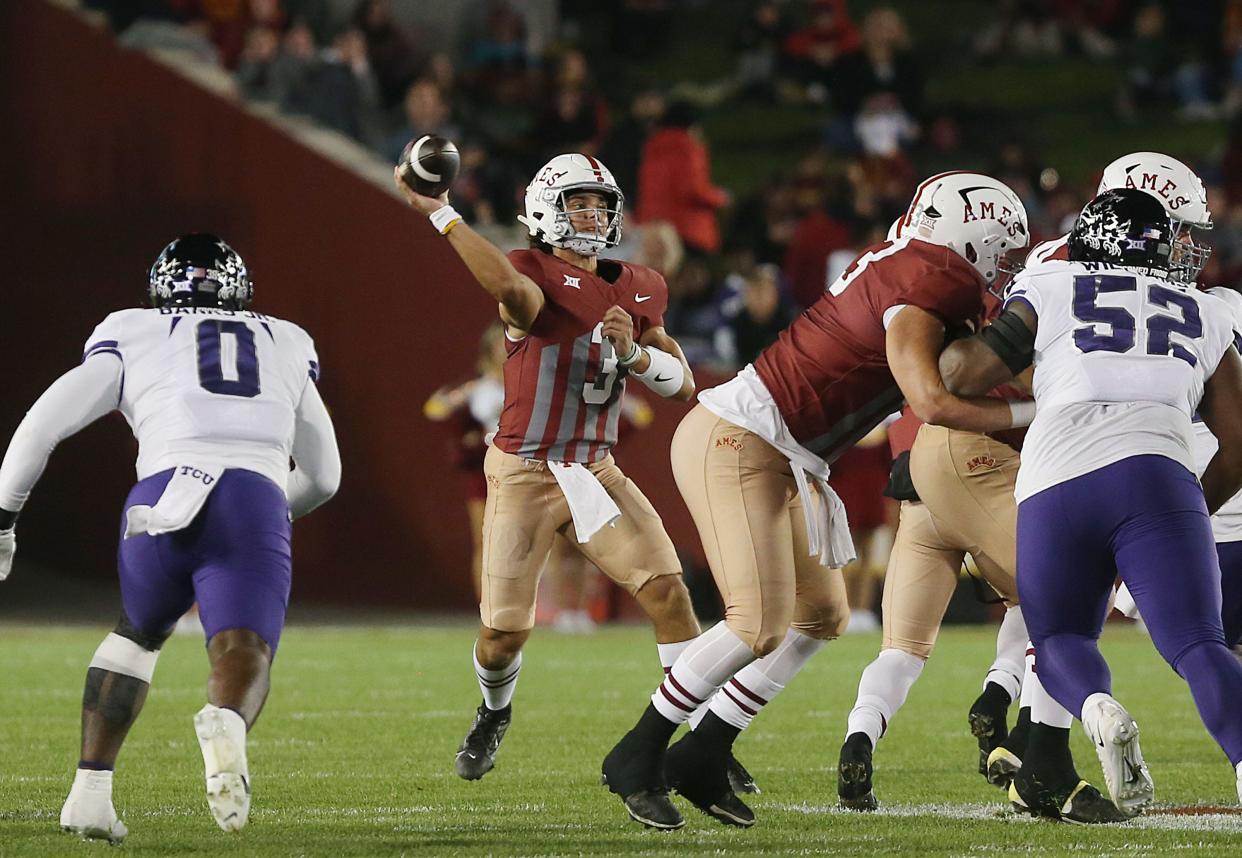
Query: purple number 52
{"x": 1121, "y": 326}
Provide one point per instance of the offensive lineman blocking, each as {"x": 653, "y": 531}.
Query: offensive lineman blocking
{"x": 219, "y": 398}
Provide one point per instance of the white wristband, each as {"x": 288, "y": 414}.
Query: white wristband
{"x": 636, "y": 351}
{"x": 444, "y": 219}
{"x": 664, "y": 375}
{"x": 1021, "y": 412}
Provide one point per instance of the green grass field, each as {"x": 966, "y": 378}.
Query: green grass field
{"x": 353, "y": 755}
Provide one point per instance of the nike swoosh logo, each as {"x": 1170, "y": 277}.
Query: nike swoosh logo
{"x": 638, "y": 299}
{"x": 663, "y": 378}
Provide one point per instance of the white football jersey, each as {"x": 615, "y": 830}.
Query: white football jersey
{"x": 1120, "y": 363}
{"x": 208, "y": 385}
{"x": 1227, "y": 523}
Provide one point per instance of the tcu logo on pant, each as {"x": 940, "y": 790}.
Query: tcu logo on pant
{"x": 202, "y": 476}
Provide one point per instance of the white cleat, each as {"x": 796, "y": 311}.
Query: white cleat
{"x": 1115, "y": 736}
{"x": 222, "y": 737}
{"x": 88, "y": 811}
{"x": 1238, "y": 769}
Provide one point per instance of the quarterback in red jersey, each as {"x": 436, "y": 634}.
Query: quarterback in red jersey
{"x": 752, "y": 462}
{"x": 577, "y": 328}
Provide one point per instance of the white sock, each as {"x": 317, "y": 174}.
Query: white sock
{"x": 703, "y": 666}
{"x": 1028, "y": 684}
{"x": 1044, "y": 709}
{"x": 739, "y": 700}
{"x": 670, "y": 652}
{"x": 881, "y": 692}
{"x": 497, "y": 685}
{"x": 1008, "y": 668}
{"x": 92, "y": 780}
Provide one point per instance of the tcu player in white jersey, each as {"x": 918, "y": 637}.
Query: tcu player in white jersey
{"x": 219, "y": 398}
{"x": 1043, "y": 725}
{"x": 1124, "y": 356}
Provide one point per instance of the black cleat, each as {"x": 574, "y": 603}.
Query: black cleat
{"x": 477, "y": 754}
{"x": 741, "y": 780}
{"x": 988, "y": 719}
{"x": 699, "y": 774}
{"x": 1003, "y": 764}
{"x": 634, "y": 770}
{"x": 1083, "y": 804}
{"x": 854, "y": 791}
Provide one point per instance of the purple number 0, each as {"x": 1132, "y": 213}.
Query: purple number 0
{"x": 211, "y": 370}
{"x": 1089, "y": 287}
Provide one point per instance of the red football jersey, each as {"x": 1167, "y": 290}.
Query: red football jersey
{"x": 828, "y": 371}
{"x": 1046, "y": 251}
{"x": 563, "y": 387}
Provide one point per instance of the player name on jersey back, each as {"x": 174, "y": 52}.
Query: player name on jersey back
{"x": 208, "y": 385}
{"x": 1121, "y": 358}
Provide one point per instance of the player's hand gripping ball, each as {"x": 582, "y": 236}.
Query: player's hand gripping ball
{"x": 429, "y": 164}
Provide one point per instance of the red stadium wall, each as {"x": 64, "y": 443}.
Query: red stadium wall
{"x": 108, "y": 155}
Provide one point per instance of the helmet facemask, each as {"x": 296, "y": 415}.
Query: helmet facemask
{"x": 562, "y": 232}
{"x": 1188, "y": 256}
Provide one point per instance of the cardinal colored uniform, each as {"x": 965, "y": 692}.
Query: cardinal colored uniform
{"x": 214, "y": 398}
{"x": 751, "y": 460}
{"x": 563, "y": 390}
{"x": 1107, "y": 487}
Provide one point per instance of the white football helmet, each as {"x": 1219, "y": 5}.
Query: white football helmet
{"x": 978, "y": 217}
{"x": 547, "y": 218}
{"x": 1181, "y": 193}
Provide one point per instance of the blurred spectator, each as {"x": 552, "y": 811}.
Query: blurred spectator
{"x": 823, "y": 227}
{"x": 486, "y": 190}
{"x": 190, "y": 37}
{"x": 659, "y": 248}
{"x": 338, "y": 89}
{"x": 755, "y": 319}
{"x": 884, "y": 65}
{"x": 758, "y": 47}
{"x": 426, "y": 112}
{"x": 812, "y": 52}
{"x": 501, "y": 40}
{"x": 764, "y": 222}
{"x": 623, "y": 145}
{"x": 1025, "y": 27}
{"x": 574, "y": 116}
{"x": 389, "y": 49}
{"x": 694, "y": 313}
{"x": 1159, "y": 69}
{"x": 674, "y": 181}
{"x": 859, "y": 477}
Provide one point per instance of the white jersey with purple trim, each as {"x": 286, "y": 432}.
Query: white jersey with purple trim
{"x": 208, "y": 385}
{"x": 1121, "y": 358}
{"x": 1227, "y": 523}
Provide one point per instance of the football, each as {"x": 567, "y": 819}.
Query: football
{"x": 429, "y": 164}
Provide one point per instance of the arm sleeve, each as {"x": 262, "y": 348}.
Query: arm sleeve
{"x": 317, "y": 472}
{"x": 74, "y": 401}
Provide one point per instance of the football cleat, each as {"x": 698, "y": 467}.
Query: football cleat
{"x": 634, "y": 770}
{"x": 1115, "y": 736}
{"x": 741, "y": 780}
{"x": 1084, "y": 804}
{"x": 988, "y": 722}
{"x": 477, "y": 754}
{"x": 223, "y": 742}
{"x": 854, "y": 791}
{"x": 1002, "y": 765}
{"x": 1238, "y": 770}
{"x": 88, "y": 811}
{"x": 700, "y": 775}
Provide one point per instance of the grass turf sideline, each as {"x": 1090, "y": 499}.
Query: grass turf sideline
{"x": 353, "y": 755}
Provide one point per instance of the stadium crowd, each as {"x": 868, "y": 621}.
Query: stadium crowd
{"x": 736, "y": 278}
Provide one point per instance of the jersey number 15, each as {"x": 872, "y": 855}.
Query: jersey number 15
{"x": 1161, "y": 327}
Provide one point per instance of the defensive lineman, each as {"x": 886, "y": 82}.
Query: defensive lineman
{"x": 577, "y": 327}
{"x": 219, "y": 398}
{"x": 1123, "y": 357}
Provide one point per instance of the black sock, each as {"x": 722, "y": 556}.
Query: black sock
{"x": 1048, "y": 756}
{"x": 996, "y": 696}
{"x": 653, "y": 727}
{"x": 1020, "y": 734}
{"x": 716, "y": 733}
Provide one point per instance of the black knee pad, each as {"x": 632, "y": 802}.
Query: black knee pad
{"x": 126, "y": 629}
